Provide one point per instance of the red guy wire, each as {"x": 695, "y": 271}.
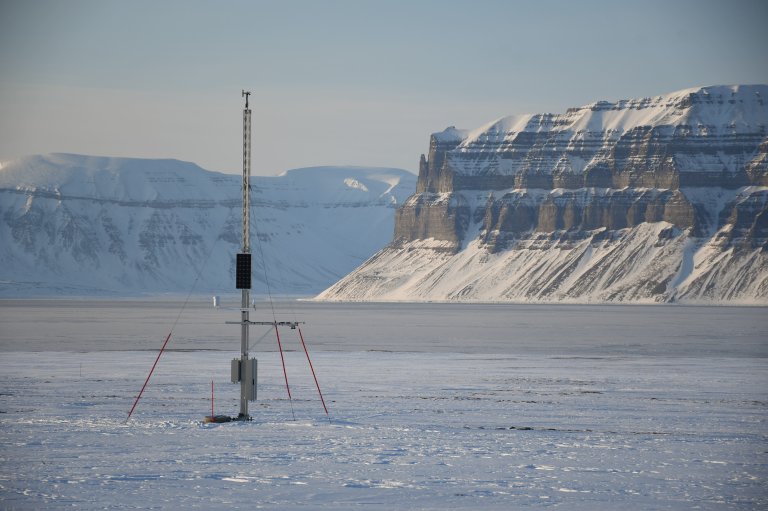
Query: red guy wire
{"x": 313, "y": 371}
{"x": 285, "y": 373}
{"x": 149, "y": 375}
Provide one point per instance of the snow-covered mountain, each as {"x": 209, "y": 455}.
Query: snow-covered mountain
{"x": 80, "y": 225}
{"x": 645, "y": 200}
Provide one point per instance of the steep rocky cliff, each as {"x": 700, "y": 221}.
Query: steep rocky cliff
{"x": 644, "y": 200}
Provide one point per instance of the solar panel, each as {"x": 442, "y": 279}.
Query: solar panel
{"x": 243, "y": 276}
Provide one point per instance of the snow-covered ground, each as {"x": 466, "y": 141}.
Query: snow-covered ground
{"x": 433, "y": 406}
{"x": 77, "y": 225}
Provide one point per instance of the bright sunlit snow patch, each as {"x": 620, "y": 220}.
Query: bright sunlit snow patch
{"x": 354, "y": 183}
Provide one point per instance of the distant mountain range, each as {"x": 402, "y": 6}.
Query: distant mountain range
{"x": 661, "y": 199}
{"x": 74, "y": 225}
{"x": 647, "y": 200}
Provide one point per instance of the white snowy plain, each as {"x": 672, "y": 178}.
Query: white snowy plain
{"x": 432, "y": 406}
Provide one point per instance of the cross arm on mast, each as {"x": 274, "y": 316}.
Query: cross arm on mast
{"x": 292, "y": 324}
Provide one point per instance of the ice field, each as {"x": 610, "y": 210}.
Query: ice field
{"x": 432, "y": 406}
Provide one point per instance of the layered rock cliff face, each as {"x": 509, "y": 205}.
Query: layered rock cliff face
{"x": 646, "y": 200}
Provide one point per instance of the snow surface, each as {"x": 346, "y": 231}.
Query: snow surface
{"x": 740, "y": 108}
{"x": 626, "y": 265}
{"x": 716, "y": 114}
{"x": 451, "y": 134}
{"x": 433, "y": 406}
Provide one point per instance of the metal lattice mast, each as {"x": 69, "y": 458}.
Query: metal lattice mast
{"x": 244, "y": 370}
{"x": 246, "y": 175}
{"x": 246, "y": 251}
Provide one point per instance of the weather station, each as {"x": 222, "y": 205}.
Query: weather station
{"x": 244, "y": 370}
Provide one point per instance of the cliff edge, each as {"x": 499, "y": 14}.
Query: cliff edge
{"x": 645, "y": 200}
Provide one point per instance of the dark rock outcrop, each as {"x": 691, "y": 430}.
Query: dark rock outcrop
{"x": 615, "y": 177}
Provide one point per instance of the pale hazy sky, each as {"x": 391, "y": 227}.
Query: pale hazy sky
{"x": 341, "y": 82}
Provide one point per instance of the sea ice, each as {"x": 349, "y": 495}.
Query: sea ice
{"x": 433, "y": 406}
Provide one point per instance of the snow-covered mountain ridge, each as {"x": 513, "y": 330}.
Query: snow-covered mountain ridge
{"x": 645, "y": 200}
{"x": 78, "y": 225}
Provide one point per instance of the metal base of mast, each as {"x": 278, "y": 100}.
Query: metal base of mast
{"x": 244, "y": 379}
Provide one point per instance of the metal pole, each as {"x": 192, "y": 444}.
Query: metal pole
{"x": 244, "y": 356}
{"x": 246, "y": 249}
